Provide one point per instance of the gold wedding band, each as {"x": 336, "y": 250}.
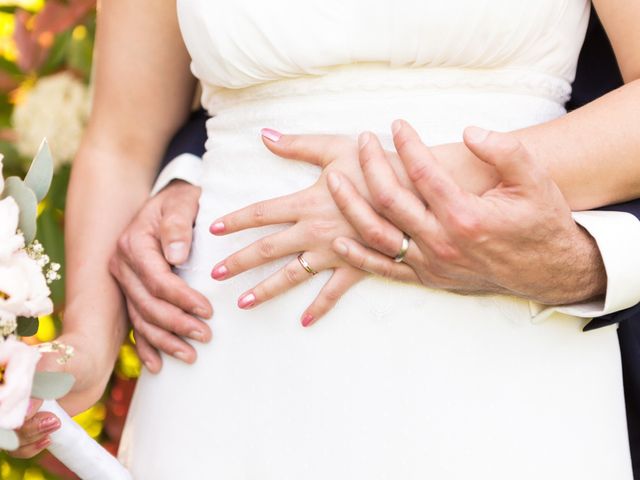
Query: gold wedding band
{"x": 404, "y": 248}
{"x": 305, "y": 265}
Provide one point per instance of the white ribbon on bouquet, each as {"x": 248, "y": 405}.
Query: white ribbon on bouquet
{"x": 79, "y": 452}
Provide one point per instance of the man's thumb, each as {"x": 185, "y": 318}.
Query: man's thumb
{"x": 504, "y": 151}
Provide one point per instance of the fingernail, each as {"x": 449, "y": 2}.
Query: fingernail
{"x": 201, "y": 312}
{"x": 220, "y": 272}
{"x": 150, "y": 366}
{"x": 476, "y": 134}
{"x": 396, "y": 126}
{"x": 49, "y": 424}
{"x": 197, "y": 335}
{"x": 176, "y": 252}
{"x": 333, "y": 179}
{"x": 307, "y": 319}
{"x": 247, "y": 301}
{"x": 217, "y": 228}
{"x": 363, "y": 139}
{"x": 341, "y": 248}
{"x": 270, "y": 134}
{"x": 181, "y": 356}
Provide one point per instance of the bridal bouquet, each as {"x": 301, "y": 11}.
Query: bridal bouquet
{"x": 25, "y": 272}
{"x": 25, "y": 275}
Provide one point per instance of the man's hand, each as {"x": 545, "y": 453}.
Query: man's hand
{"x": 517, "y": 238}
{"x": 161, "y": 306}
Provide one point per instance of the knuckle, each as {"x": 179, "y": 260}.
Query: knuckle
{"x": 266, "y": 248}
{"x": 320, "y": 228}
{"x": 445, "y": 253}
{"x": 466, "y": 224}
{"x": 384, "y": 200}
{"x": 291, "y": 274}
{"x": 376, "y": 236}
{"x": 419, "y": 172}
{"x": 332, "y": 295}
{"x": 172, "y": 221}
{"x": 257, "y": 212}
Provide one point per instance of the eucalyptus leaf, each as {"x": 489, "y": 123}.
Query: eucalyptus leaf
{"x": 51, "y": 385}
{"x": 28, "y": 203}
{"x": 40, "y": 173}
{"x": 27, "y": 326}
{"x": 8, "y": 440}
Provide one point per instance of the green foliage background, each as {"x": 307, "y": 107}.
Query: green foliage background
{"x": 39, "y": 38}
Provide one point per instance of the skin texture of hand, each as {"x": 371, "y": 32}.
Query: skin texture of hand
{"x": 316, "y": 220}
{"x": 315, "y": 223}
{"x": 161, "y": 306}
{"x": 517, "y": 238}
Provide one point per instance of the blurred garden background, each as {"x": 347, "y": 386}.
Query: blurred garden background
{"x": 45, "y": 65}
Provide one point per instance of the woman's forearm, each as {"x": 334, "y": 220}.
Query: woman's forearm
{"x": 593, "y": 153}
{"x": 106, "y": 189}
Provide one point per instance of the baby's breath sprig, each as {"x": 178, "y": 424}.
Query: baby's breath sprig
{"x": 50, "y": 269}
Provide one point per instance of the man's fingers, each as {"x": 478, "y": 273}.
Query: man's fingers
{"x": 178, "y": 215}
{"x": 147, "y": 353}
{"x": 430, "y": 178}
{"x": 269, "y": 212}
{"x": 388, "y": 196}
{"x": 377, "y": 232}
{"x": 265, "y": 250}
{"x": 505, "y": 152}
{"x": 315, "y": 149}
{"x": 372, "y": 261}
{"x": 142, "y": 255}
{"x": 160, "y": 313}
{"x": 161, "y": 339}
{"x": 38, "y": 427}
{"x": 339, "y": 283}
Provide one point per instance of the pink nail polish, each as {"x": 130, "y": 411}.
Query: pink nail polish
{"x": 307, "y": 319}
{"x": 247, "y": 301}
{"x": 49, "y": 424}
{"x": 217, "y": 228}
{"x": 220, "y": 272}
{"x": 270, "y": 134}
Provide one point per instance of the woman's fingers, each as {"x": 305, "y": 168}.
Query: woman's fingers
{"x": 265, "y": 250}
{"x": 340, "y": 282}
{"x": 318, "y": 150}
{"x": 38, "y": 427}
{"x": 33, "y": 449}
{"x": 374, "y": 262}
{"x": 269, "y": 212}
{"x": 286, "y": 278}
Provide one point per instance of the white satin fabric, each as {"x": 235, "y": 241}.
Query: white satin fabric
{"x": 397, "y": 382}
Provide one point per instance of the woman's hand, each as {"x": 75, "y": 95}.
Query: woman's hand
{"x": 87, "y": 389}
{"x": 316, "y": 222}
{"x": 34, "y": 433}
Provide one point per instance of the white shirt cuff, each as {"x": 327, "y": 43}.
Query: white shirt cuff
{"x": 185, "y": 167}
{"x": 618, "y": 237}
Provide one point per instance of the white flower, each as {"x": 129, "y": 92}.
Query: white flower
{"x": 24, "y": 288}
{"x": 57, "y": 108}
{"x": 19, "y": 363}
{"x": 10, "y": 239}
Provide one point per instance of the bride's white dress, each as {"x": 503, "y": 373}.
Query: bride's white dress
{"x": 397, "y": 382}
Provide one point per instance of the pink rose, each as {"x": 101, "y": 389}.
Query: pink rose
{"x": 19, "y": 362}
